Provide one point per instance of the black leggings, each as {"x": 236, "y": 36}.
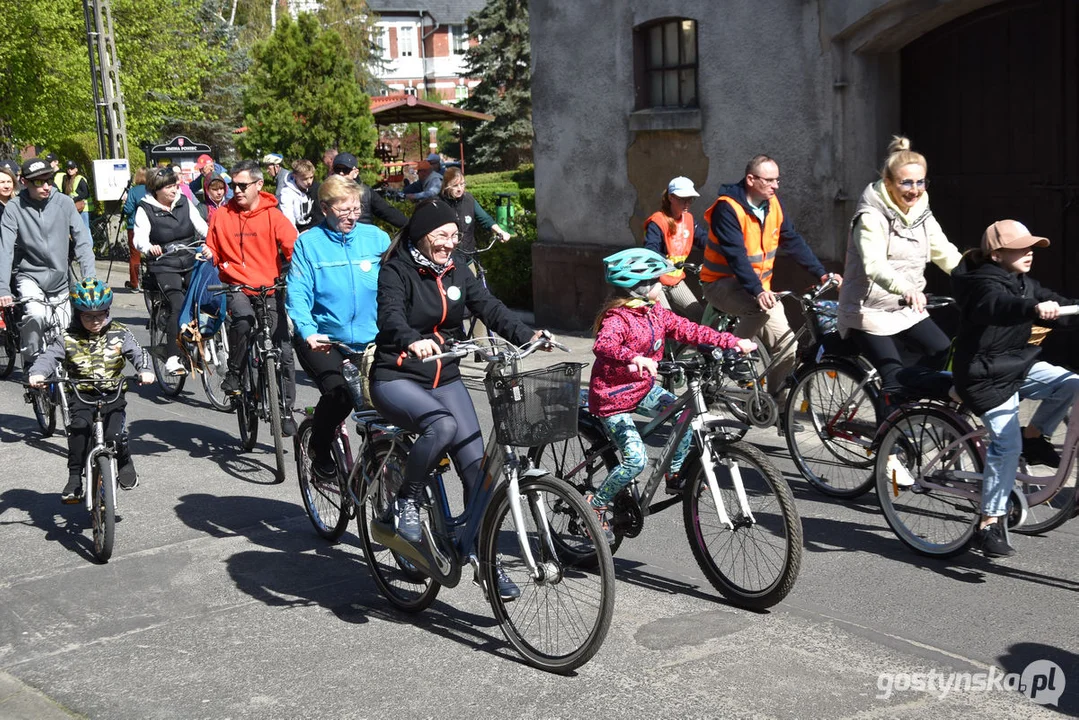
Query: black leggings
{"x": 173, "y": 286}
{"x": 445, "y": 420}
{"x": 79, "y": 431}
{"x": 335, "y": 404}
{"x": 924, "y": 345}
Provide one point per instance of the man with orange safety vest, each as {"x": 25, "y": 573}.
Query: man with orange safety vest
{"x": 671, "y": 232}
{"x": 746, "y": 229}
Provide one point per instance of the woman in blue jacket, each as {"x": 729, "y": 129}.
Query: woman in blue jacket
{"x": 332, "y": 293}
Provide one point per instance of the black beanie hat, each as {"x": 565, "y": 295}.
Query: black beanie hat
{"x": 428, "y": 216}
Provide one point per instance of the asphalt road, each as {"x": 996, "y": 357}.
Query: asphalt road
{"x": 221, "y": 602}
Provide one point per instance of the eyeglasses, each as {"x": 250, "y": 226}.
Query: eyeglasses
{"x": 911, "y": 184}
{"x": 768, "y": 181}
{"x": 346, "y": 212}
{"x": 455, "y": 237}
{"x": 38, "y": 182}
{"x": 242, "y": 187}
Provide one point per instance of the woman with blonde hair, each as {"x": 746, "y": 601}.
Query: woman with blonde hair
{"x": 893, "y": 236}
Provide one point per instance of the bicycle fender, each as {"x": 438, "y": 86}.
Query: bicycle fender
{"x": 534, "y": 472}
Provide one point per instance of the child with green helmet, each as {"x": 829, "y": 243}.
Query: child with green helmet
{"x": 93, "y": 347}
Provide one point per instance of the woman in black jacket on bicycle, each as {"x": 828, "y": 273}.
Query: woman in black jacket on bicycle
{"x": 423, "y": 291}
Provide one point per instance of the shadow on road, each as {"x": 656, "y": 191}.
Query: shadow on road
{"x": 65, "y": 524}
{"x": 298, "y": 568}
{"x": 1020, "y": 655}
{"x": 158, "y": 436}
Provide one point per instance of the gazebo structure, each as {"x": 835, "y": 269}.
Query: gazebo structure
{"x": 407, "y": 109}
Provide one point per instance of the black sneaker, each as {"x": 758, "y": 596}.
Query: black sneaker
{"x": 408, "y": 520}
{"x": 72, "y": 492}
{"x": 126, "y": 477}
{"x": 324, "y": 469}
{"x": 992, "y": 540}
{"x": 1039, "y": 451}
{"x": 231, "y": 384}
{"x": 674, "y": 483}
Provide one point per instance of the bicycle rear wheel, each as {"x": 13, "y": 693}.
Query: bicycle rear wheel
{"x": 831, "y": 424}
{"x": 44, "y": 410}
{"x": 327, "y": 503}
{"x": 560, "y": 619}
{"x": 103, "y": 507}
{"x": 755, "y": 563}
{"x": 246, "y": 404}
{"x": 1049, "y": 515}
{"x": 936, "y": 521}
{"x": 397, "y": 579}
{"x": 213, "y": 367}
{"x": 171, "y": 385}
{"x": 271, "y": 380}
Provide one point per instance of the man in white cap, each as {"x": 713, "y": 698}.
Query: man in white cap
{"x": 271, "y": 162}
{"x": 35, "y": 238}
{"x": 671, "y": 232}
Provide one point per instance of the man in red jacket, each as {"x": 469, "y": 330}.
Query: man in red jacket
{"x": 250, "y": 242}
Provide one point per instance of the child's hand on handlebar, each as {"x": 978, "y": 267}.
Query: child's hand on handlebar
{"x": 424, "y": 348}
{"x": 146, "y": 377}
{"x": 36, "y": 381}
{"x": 644, "y": 365}
{"x": 1048, "y": 310}
{"x": 746, "y": 346}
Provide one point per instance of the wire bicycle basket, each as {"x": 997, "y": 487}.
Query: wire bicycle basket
{"x": 535, "y": 407}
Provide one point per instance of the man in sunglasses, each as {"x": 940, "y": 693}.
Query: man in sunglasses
{"x": 36, "y": 233}
{"x": 250, "y": 242}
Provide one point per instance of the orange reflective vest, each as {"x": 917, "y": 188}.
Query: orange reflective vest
{"x": 761, "y": 241}
{"x": 678, "y": 242}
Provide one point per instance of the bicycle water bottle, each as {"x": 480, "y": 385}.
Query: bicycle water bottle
{"x": 354, "y": 380}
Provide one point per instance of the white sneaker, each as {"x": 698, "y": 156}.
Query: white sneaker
{"x": 173, "y": 366}
{"x": 897, "y": 473}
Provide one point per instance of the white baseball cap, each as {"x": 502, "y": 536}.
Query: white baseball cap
{"x": 682, "y": 187}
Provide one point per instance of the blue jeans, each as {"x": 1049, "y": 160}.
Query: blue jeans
{"x": 1057, "y": 388}
{"x": 634, "y": 454}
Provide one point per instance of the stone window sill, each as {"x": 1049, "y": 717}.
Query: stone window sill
{"x": 662, "y": 119}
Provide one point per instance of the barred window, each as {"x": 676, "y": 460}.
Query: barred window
{"x": 665, "y": 64}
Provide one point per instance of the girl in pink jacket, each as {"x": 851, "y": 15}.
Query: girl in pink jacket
{"x": 630, "y": 334}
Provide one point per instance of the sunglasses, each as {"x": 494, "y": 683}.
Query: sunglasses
{"x": 242, "y": 187}
{"x": 38, "y": 182}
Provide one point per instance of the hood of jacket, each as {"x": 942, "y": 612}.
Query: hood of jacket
{"x": 738, "y": 192}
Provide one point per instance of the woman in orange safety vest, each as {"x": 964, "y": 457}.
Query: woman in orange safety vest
{"x": 671, "y": 232}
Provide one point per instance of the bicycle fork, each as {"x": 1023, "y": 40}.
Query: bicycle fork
{"x": 713, "y": 484}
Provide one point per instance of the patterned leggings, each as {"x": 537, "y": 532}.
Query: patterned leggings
{"x": 634, "y": 453}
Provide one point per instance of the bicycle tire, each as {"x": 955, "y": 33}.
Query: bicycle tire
{"x": 272, "y": 379}
{"x": 246, "y": 404}
{"x": 1051, "y": 514}
{"x": 171, "y": 385}
{"x": 929, "y": 521}
{"x": 44, "y": 411}
{"x": 583, "y": 462}
{"x": 9, "y": 347}
{"x": 775, "y": 525}
{"x": 327, "y": 503}
{"x": 559, "y": 622}
{"x": 212, "y": 372}
{"x": 103, "y": 507}
{"x": 401, "y": 584}
{"x": 836, "y": 465}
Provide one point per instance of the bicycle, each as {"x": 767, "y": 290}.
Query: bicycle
{"x": 473, "y": 322}
{"x": 99, "y": 469}
{"x": 734, "y": 501}
{"x": 261, "y": 380}
{"x": 159, "y": 323}
{"x": 45, "y": 400}
{"x": 835, "y": 408}
{"x": 9, "y": 341}
{"x": 522, "y": 523}
{"x": 929, "y": 472}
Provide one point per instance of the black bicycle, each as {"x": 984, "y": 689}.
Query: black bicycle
{"x": 261, "y": 380}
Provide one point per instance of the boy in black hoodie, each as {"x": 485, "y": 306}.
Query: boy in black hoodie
{"x": 995, "y": 366}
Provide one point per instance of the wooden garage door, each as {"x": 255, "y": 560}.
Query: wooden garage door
{"x": 991, "y": 100}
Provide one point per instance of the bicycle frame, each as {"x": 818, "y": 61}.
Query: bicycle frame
{"x": 972, "y": 489}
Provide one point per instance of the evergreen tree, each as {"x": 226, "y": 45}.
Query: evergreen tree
{"x": 302, "y": 97}
{"x": 502, "y": 62}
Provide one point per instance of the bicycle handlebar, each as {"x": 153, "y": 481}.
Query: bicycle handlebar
{"x": 261, "y": 290}
{"x": 115, "y": 385}
{"x": 510, "y": 352}
{"x": 932, "y": 302}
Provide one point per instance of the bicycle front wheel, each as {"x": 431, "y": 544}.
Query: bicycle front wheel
{"x": 327, "y": 502}
{"x": 246, "y": 404}
{"x": 831, "y": 423}
{"x": 929, "y": 482}
{"x": 171, "y": 385}
{"x": 401, "y": 583}
{"x": 44, "y": 410}
{"x": 271, "y": 379}
{"x": 214, "y": 365}
{"x": 560, "y": 619}
{"x": 754, "y": 562}
{"x": 103, "y": 507}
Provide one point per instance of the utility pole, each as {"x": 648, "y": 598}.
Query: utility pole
{"x": 105, "y": 73}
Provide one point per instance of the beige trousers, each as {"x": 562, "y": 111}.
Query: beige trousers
{"x": 681, "y": 300}
{"x": 769, "y": 326}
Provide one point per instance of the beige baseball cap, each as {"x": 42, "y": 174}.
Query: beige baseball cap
{"x": 1010, "y": 235}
